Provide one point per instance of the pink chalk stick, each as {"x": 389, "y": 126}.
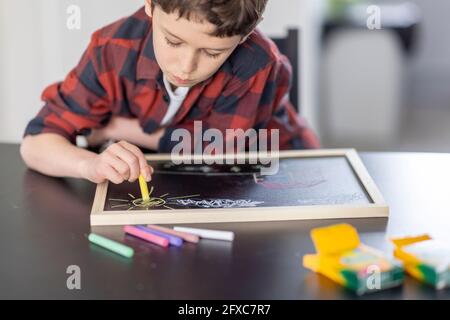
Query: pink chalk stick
{"x": 163, "y": 242}
{"x": 184, "y": 235}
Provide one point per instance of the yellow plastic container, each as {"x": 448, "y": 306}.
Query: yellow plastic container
{"x": 425, "y": 259}
{"x": 341, "y": 257}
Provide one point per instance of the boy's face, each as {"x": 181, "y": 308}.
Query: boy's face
{"x": 185, "y": 51}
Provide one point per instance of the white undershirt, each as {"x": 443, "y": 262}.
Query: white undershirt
{"x": 176, "y": 99}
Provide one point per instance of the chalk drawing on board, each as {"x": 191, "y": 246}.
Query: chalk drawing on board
{"x": 134, "y": 203}
{"x": 310, "y": 181}
{"x": 218, "y": 203}
{"x": 310, "y": 184}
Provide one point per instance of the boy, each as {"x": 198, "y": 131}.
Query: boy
{"x": 171, "y": 63}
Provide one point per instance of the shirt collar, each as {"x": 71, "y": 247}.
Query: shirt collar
{"x": 147, "y": 67}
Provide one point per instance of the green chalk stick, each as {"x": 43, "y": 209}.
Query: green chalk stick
{"x": 111, "y": 245}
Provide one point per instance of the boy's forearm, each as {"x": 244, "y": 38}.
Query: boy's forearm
{"x": 148, "y": 141}
{"x": 131, "y": 131}
{"x": 53, "y": 155}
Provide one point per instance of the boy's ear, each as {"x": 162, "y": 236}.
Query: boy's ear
{"x": 148, "y": 7}
{"x": 248, "y": 35}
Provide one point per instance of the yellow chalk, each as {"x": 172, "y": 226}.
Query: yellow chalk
{"x": 144, "y": 188}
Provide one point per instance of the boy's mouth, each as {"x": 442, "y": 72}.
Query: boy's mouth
{"x": 180, "y": 81}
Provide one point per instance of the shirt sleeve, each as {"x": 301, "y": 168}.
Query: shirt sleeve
{"x": 261, "y": 102}
{"x": 294, "y": 133}
{"x": 77, "y": 104}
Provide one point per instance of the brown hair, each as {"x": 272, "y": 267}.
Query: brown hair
{"x": 232, "y": 17}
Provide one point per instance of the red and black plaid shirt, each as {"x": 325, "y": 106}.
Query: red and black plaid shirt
{"x": 118, "y": 76}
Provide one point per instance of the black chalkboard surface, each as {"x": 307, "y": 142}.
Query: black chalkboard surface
{"x": 305, "y": 180}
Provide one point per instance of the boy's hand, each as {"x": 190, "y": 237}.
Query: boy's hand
{"x": 120, "y": 162}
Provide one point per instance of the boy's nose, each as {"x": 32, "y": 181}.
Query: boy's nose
{"x": 188, "y": 63}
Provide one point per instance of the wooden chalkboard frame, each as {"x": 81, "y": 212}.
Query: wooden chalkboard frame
{"x": 378, "y": 208}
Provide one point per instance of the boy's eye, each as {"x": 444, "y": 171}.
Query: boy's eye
{"x": 212, "y": 55}
{"x": 172, "y": 44}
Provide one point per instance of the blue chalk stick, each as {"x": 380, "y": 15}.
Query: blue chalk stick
{"x": 173, "y": 240}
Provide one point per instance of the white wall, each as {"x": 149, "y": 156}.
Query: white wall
{"x": 38, "y": 49}
{"x": 20, "y": 75}
{"x": 434, "y": 47}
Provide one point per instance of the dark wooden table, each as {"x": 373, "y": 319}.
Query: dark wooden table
{"x": 45, "y": 222}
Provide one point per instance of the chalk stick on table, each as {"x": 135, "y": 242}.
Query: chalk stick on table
{"x": 173, "y": 240}
{"x": 111, "y": 245}
{"x": 208, "y": 234}
{"x": 163, "y": 242}
{"x": 183, "y": 235}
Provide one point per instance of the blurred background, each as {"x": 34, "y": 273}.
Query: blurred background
{"x": 374, "y": 75}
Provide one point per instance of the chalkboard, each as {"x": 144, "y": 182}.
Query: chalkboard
{"x": 308, "y": 185}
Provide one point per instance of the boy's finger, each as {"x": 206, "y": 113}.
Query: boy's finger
{"x": 126, "y": 155}
{"x": 112, "y": 175}
{"x": 143, "y": 165}
{"x": 119, "y": 165}
{"x": 150, "y": 172}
